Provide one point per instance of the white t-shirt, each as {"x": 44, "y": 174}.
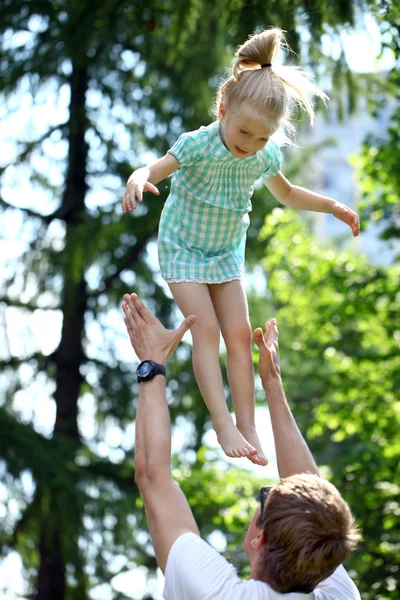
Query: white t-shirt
{"x": 195, "y": 571}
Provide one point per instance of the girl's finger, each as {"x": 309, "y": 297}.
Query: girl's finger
{"x": 152, "y": 188}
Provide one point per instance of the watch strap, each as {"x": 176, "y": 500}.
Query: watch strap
{"x": 158, "y": 369}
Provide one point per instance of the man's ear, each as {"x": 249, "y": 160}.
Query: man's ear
{"x": 258, "y": 541}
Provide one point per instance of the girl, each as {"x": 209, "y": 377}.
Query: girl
{"x": 203, "y": 225}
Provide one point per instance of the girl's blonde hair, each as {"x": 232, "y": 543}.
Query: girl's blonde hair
{"x": 258, "y": 87}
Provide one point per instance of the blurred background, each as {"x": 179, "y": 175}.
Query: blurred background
{"x": 90, "y": 91}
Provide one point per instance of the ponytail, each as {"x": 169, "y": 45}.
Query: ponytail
{"x": 270, "y": 90}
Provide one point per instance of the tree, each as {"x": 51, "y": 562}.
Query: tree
{"x": 127, "y": 78}
{"x": 338, "y": 318}
{"x": 379, "y": 177}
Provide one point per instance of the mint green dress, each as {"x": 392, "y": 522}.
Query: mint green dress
{"x": 203, "y": 225}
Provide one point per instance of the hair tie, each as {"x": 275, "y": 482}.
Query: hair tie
{"x": 266, "y": 65}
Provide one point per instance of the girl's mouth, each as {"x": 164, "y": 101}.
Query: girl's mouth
{"x": 240, "y": 150}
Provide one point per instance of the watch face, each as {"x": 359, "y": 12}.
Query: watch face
{"x": 145, "y": 369}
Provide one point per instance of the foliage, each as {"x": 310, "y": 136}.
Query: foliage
{"x": 108, "y": 86}
{"x": 340, "y": 335}
{"x": 380, "y": 181}
{"x": 378, "y": 171}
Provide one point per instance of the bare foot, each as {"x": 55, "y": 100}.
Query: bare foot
{"x": 250, "y": 433}
{"x": 232, "y": 441}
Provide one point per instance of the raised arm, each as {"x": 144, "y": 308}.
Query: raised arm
{"x": 303, "y": 199}
{"x": 145, "y": 178}
{"x": 168, "y": 512}
{"x": 292, "y": 453}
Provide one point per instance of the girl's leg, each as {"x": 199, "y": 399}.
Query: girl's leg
{"x": 230, "y": 304}
{"x": 194, "y": 298}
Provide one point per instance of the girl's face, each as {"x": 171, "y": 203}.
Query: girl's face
{"x": 243, "y": 135}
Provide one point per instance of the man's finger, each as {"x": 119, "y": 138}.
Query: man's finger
{"x": 180, "y": 332}
{"x": 186, "y": 325}
{"x": 129, "y": 320}
{"x": 131, "y": 312}
{"x": 129, "y": 323}
{"x": 259, "y": 338}
{"x": 141, "y": 309}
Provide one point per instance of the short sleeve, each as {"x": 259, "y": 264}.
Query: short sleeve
{"x": 190, "y": 147}
{"x": 339, "y": 586}
{"x": 273, "y": 160}
{"x": 196, "y": 571}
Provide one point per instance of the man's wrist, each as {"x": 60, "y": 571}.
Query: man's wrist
{"x": 149, "y": 369}
{"x": 271, "y": 382}
{"x": 156, "y": 357}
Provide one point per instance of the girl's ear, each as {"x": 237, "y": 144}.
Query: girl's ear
{"x": 221, "y": 111}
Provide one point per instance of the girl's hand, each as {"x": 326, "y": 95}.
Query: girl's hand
{"x": 134, "y": 191}
{"x": 345, "y": 214}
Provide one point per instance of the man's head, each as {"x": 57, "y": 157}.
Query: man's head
{"x": 305, "y": 531}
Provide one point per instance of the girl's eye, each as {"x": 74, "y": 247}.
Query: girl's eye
{"x": 242, "y": 131}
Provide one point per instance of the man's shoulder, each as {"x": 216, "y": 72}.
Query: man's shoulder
{"x": 339, "y": 586}
{"x": 196, "y": 571}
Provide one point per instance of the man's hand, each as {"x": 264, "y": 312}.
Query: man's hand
{"x": 345, "y": 214}
{"x": 267, "y": 343}
{"x": 149, "y": 338}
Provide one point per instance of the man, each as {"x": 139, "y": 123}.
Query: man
{"x": 302, "y": 531}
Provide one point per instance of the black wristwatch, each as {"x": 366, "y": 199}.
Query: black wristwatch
{"x": 148, "y": 369}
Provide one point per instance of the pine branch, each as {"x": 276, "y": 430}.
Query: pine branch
{"x": 29, "y": 513}
{"x": 129, "y": 259}
{"x": 110, "y": 472}
{"x": 28, "y": 305}
{"x": 30, "y": 147}
{"x": 15, "y": 362}
{"x": 21, "y": 158}
{"x": 28, "y": 211}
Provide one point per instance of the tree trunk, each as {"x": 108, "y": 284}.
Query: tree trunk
{"x": 51, "y": 577}
{"x": 68, "y": 357}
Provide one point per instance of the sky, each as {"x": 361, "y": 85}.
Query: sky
{"x": 361, "y": 48}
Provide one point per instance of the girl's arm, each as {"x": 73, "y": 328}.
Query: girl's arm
{"x": 298, "y": 197}
{"x": 143, "y": 180}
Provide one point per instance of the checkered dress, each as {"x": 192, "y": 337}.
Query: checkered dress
{"x": 202, "y": 232}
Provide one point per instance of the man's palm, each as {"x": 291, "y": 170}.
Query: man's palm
{"x": 149, "y": 338}
{"x": 268, "y": 362}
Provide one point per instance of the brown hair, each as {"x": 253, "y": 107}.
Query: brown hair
{"x": 309, "y": 530}
{"x": 256, "y": 85}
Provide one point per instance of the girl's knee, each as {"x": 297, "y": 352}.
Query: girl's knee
{"x": 239, "y": 338}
